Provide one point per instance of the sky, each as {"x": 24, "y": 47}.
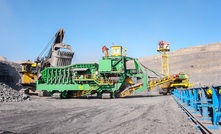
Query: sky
{"x": 26, "y": 26}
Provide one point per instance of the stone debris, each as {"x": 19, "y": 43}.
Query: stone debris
{"x": 9, "y": 74}
{"x": 7, "y": 94}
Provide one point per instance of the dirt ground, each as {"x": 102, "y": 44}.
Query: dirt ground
{"x": 138, "y": 114}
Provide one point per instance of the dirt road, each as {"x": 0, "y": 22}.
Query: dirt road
{"x": 141, "y": 114}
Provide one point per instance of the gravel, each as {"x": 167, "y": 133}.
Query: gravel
{"x": 10, "y": 82}
{"x": 138, "y": 114}
{"x": 7, "y": 94}
{"x": 9, "y": 74}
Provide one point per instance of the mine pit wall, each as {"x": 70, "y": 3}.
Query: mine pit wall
{"x": 9, "y": 74}
{"x": 201, "y": 63}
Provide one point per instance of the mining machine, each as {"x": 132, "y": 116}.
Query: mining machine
{"x": 111, "y": 76}
{"x": 59, "y": 55}
{"x": 170, "y": 82}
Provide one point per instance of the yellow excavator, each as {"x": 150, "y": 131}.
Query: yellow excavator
{"x": 28, "y": 77}
{"x": 59, "y": 54}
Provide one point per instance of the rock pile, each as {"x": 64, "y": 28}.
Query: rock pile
{"x": 2, "y": 58}
{"x": 7, "y": 94}
{"x": 9, "y": 74}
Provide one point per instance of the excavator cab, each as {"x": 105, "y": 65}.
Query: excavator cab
{"x": 28, "y": 72}
{"x": 28, "y": 77}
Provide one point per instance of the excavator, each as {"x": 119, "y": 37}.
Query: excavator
{"x": 59, "y": 54}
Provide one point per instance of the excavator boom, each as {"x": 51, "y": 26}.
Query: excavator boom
{"x": 31, "y": 71}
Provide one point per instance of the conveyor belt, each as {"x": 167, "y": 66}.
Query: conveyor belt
{"x": 130, "y": 90}
{"x": 203, "y": 128}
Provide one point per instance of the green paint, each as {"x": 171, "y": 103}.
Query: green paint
{"x": 107, "y": 76}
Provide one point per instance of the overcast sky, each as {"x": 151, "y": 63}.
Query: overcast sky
{"x": 26, "y": 26}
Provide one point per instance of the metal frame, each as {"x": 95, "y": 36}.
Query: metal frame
{"x": 198, "y": 100}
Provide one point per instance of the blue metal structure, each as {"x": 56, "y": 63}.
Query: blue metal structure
{"x": 216, "y": 99}
{"x": 202, "y": 100}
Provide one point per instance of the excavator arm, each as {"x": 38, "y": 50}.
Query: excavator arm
{"x": 56, "y": 55}
{"x": 59, "y": 36}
